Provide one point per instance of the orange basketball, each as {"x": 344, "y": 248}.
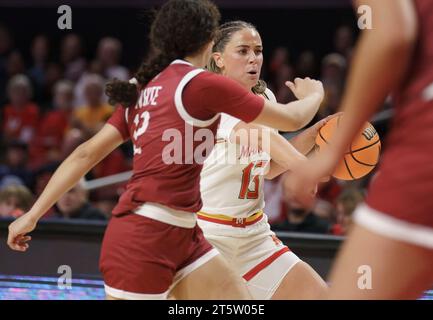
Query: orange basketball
{"x": 363, "y": 154}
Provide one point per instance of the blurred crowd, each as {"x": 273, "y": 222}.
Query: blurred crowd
{"x": 50, "y": 105}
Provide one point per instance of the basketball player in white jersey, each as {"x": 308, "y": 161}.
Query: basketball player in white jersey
{"x": 232, "y": 216}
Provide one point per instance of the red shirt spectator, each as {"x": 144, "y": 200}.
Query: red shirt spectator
{"x": 20, "y": 117}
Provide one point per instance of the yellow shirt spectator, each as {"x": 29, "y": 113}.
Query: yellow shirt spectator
{"x": 92, "y": 117}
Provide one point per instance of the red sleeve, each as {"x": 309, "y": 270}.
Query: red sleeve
{"x": 209, "y": 93}
{"x": 118, "y": 120}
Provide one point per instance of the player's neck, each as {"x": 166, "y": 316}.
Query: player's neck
{"x": 196, "y": 60}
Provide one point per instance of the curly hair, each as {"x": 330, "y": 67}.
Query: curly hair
{"x": 225, "y": 34}
{"x": 180, "y": 28}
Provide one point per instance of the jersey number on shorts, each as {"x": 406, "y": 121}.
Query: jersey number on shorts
{"x": 247, "y": 192}
{"x": 141, "y": 122}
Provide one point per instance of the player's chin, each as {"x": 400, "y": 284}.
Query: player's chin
{"x": 250, "y": 82}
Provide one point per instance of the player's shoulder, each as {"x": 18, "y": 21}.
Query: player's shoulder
{"x": 206, "y": 78}
{"x": 270, "y": 95}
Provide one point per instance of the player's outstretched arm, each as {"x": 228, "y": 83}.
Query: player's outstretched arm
{"x": 306, "y": 140}
{"x": 281, "y": 151}
{"x": 72, "y": 169}
{"x": 295, "y": 115}
{"x": 378, "y": 66}
{"x": 379, "y": 63}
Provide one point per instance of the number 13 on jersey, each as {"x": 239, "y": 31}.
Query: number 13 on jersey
{"x": 249, "y": 176}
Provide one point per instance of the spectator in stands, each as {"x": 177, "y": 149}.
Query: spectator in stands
{"x": 75, "y": 205}
{"x": 280, "y": 57}
{"x": 299, "y": 219}
{"x": 20, "y": 116}
{"x": 16, "y": 162}
{"x": 333, "y": 75}
{"x": 106, "y": 198}
{"x": 95, "y": 68}
{"x": 324, "y": 209}
{"x": 276, "y": 208}
{"x": 281, "y": 93}
{"x": 332, "y": 99}
{"x": 343, "y": 41}
{"x": 109, "y": 54}
{"x": 306, "y": 65}
{"x": 9, "y": 180}
{"x": 334, "y": 67}
{"x": 54, "y": 125}
{"x": 71, "y": 57}
{"x": 347, "y": 201}
{"x": 39, "y": 51}
{"x": 280, "y": 71}
{"x": 92, "y": 116}
{"x": 42, "y": 175}
{"x": 15, "y": 200}
{"x": 15, "y": 64}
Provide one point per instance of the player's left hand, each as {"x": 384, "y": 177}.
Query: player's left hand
{"x": 308, "y": 136}
{"x": 301, "y": 184}
{"x": 18, "y": 230}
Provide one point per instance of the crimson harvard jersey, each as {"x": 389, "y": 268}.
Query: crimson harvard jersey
{"x": 403, "y": 187}
{"x": 172, "y": 128}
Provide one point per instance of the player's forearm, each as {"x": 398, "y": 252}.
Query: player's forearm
{"x": 387, "y": 63}
{"x": 292, "y": 116}
{"x": 304, "y": 110}
{"x": 67, "y": 175}
{"x": 283, "y": 155}
{"x": 303, "y": 142}
{"x": 274, "y": 170}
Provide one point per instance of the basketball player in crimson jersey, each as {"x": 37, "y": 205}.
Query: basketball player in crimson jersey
{"x": 393, "y": 233}
{"x": 152, "y": 243}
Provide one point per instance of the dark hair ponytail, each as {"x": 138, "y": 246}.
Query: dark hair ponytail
{"x": 122, "y": 92}
{"x": 126, "y": 93}
{"x": 180, "y": 28}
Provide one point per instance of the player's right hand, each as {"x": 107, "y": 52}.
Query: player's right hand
{"x": 18, "y": 230}
{"x": 303, "y": 88}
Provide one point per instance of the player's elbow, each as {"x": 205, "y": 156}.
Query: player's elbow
{"x": 82, "y": 153}
{"x": 300, "y": 120}
{"x": 271, "y": 175}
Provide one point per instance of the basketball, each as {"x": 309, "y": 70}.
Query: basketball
{"x": 363, "y": 154}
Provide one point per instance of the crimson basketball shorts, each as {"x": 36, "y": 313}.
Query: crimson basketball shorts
{"x": 142, "y": 258}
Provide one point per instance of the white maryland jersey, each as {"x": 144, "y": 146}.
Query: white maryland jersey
{"x": 232, "y": 177}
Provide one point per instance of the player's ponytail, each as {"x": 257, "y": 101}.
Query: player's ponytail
{"x": 122, "y": 92}
{"x": 153, "y": 65}
{"x": 126, "y": 92}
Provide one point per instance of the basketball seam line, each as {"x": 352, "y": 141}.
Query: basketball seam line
{"x": 348, "y": 169}
{"x": 363, "y": 163}
{"x": 360, "y": 149}
{"x": 320, "y": 134}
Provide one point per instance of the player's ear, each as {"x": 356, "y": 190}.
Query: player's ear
{"x": 218, "y": 58}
